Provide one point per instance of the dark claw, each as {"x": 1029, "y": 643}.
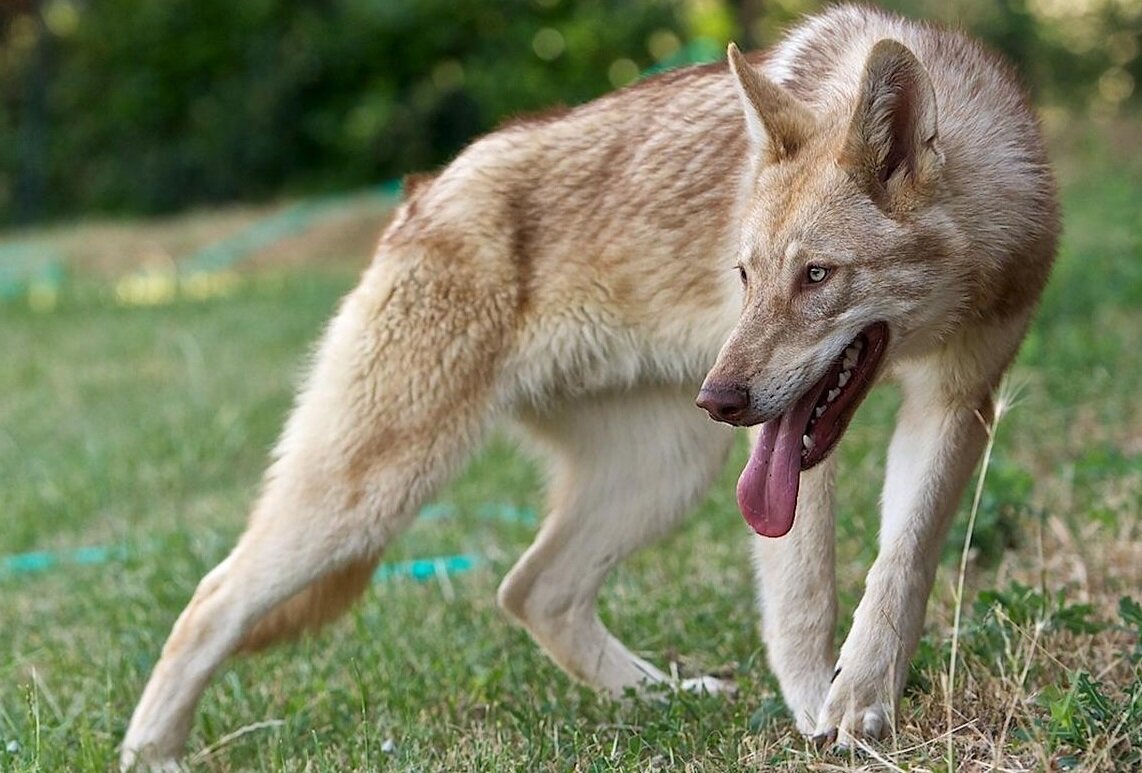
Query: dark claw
{"x": 823, "y": 740}
{"x": 835, "y": 675}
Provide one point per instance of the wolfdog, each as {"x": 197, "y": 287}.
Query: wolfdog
{"x": 884, "y": 211}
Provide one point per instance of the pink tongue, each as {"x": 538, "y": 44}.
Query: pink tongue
{"x": 767, "y": 488}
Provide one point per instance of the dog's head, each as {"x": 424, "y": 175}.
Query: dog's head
{"x": 836, "y": 264}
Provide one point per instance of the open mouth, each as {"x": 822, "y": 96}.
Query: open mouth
{"x": 840, "y": 391}
{"x": 807, "y": 433}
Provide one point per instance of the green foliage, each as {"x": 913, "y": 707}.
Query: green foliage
{"x": 1003, "y": 508}
{"x": 153, "y": 106}
{"x": 137, "y": 106}
{"x": 998, "y": 619}
{"x": 1082, "y": 55}
{"x": 1023, "y": 608}
{"x": 1087, "y": 714}
{"x": 1131, "y": 613}
{"x": 1083, "y": 723}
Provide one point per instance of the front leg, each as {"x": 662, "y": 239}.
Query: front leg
{"x": 796, "y": 589}
{"x": 937, "y": 441}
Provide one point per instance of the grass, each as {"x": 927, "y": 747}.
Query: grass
{"x": 146, "y": 429}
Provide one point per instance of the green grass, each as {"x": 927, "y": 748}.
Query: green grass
{"x": 148, "y": 427}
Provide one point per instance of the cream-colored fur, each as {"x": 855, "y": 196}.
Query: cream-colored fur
{"x": 575, "y": 273}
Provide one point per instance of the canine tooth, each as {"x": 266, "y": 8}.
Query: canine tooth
{"x": 843, "y": 378}
{"x": 807, "y": 443}
{"x": 819, "y": 412}
{"x": 852, "y": 354}
{"x": 833, "y": 394}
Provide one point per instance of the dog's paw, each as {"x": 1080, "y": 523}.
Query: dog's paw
{"x": 805, "y": 697}
{"x": 853, "y": 710}
{"x": 134, "y": 761}
{"x": 709, "y": 685}
{"x": 869, "y": 724}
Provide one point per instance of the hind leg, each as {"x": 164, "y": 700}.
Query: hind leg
{"x": 375, "y": 431}
{"x": 265, "y": 569}
{"x": 627, "y": 468}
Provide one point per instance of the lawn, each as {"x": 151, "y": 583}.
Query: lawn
{"x": 142, "y": 430}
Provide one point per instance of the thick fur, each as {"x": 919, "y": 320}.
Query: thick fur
{"x": 576, "y": 274}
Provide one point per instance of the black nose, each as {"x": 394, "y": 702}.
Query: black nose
{"x": 724, "y": 403}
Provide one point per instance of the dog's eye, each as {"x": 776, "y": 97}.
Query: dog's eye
{"x": 816, "y": 274}
{"x": 742, "y": 276}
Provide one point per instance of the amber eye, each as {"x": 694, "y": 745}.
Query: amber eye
{"x": 816, "y": 274}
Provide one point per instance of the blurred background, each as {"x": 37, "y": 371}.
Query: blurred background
{"x": 130, "y": 107}
{"x": 187, "y": 187}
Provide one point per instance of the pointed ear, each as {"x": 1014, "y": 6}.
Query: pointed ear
{"x": 891, "y": 146}
{"x": 777, "y": 123}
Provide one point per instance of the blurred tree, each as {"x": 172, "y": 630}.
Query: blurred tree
{"x": 154, "y": 106}
{"x": 21, "y": 22}
{"x": 142, "y": 106}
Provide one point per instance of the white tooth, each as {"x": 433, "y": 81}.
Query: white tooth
{"x": 819, "y": 412}
{"x": 852, "y": 354}
{"x": 807, "y": 442}
{"x": 843, "y": 378}
{"x": 833, "y": 394}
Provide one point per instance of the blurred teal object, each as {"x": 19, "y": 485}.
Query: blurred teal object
{"x": 419, "y": 569}
{"x": 26, "y": 265}
{"x": 424, "y": 569}
{"x": 42, "y": 560}
{"x": 502, "y": 511}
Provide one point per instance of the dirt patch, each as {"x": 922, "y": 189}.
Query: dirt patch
{"x": 342, "y": 233}
{"x": 344, "y": 237}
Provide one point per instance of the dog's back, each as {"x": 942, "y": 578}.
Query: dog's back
{"x": 650, "y": 175}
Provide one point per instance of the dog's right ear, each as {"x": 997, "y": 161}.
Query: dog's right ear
{"x": 892, "y": 147}
{"x": 777, "y": 123}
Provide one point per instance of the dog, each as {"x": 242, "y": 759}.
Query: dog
{"x": 884, "y": 210}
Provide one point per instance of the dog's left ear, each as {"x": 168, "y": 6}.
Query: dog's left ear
{"x": 778, "y": 124}
{"x": 891, "y": 147}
